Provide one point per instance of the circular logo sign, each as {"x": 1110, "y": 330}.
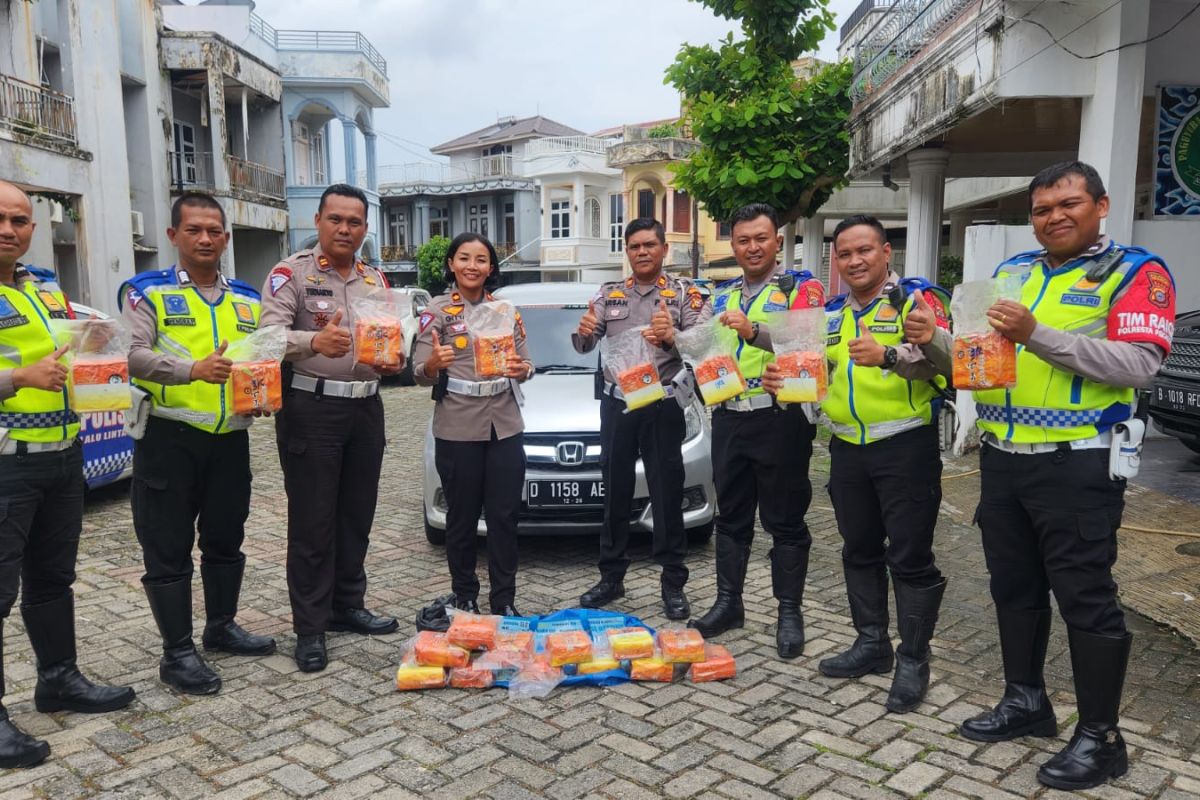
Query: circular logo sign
{"x": 1185, "y": 153}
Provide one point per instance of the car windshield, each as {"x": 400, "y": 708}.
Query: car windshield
{"x": 548, "y": 330}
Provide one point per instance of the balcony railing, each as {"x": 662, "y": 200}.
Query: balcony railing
{"x": 566, "y": 144}
{"x": 899, "y": 36}
{"x": 648, "y": 150}
{"x": 336, "y": 41}
{"x": 856, "y": 16}
{"x": 37, "y": 111}
{"x": 190, "y": 169}
{"x": 398, "y": 252}
{"x": 487, "y": 167}
{"x": 255, "y": 178}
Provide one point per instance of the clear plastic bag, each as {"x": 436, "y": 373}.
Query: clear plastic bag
{"x": 492, "y": 338}
{"x": 631, "y": 643}
{"x": 535, "y": 680}
{"x": 378, "y": 329}
{"x": 432, "y": 649}
{"x": 680, "y": 645}
{"x": 718, "y": 665}
{"x": 798, "y": 338}
{"x": 653, "y": 669}
{"x": 410, "y": 677}
{"x": 983, "y": 358}
{"x": 568, "y": 647}
{"x": 718, "y": 376}
{"x": 97, "y": 363}
{"x": 256, "y": 380}
{"x": 472, "y": 676}
{"x": 473, "y": 631}
{"x": 631, "y": 362}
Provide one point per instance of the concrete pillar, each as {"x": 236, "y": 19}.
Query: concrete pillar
{"x": 927, "y": 188}
{"x": 217, "y": 131}
{"x": 289, "y": 152}
{"x": 577, "y": 201}
{"x": 789, "y": 245}
{"x": 246, "y": 124}
{"x": 814, "y": 243}
{"x": 959, "y": 220}
{"x": 1108, "y": 129}
{"x": 349, "y": 128}
{"x": 420, "y": 223}
{"x": 372, "y": 176}
{"x": 544, "y": 227}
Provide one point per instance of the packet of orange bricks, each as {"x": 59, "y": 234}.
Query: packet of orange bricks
{"x": 651, "y": 669}
{"x": 517, "y": 644}
{"x": 597, "y": 665}
{"x": 473, "y": 631}
{"x": 630, "y": 643}
{"x": 680, "y": 645}
{"x": 98, "y": 365}
{"x": 718, "y": 376}
{"x": 630, "y": 361}
{"x": 568, "y": 647}
{"x": 982, "y": 357}
{"x": 256, "y": 380}
{"x": 798, "y": 339}
{"x": 431, "y": 649}
{"x": 410, "y": 677}
{"x": 471, "y": 677}
{"x": 493, "y": 336}
{"x": 718, "y": 665}
{"x": 378, "y": 329}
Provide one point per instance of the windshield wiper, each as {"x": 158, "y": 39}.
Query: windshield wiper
{"x": 562, "y": 367}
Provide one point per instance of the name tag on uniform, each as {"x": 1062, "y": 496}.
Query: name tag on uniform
{"x": 1080, "y": 300}
{"x": 313, "y": 291}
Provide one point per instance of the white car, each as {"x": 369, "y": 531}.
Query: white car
{"x": 414, "y": 301}
{"x": 564, "y": 493}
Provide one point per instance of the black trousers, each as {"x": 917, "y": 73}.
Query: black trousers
{"x": 656, "y": 433}
{"x": 1049, "y": 523}
{"x": 760, "y": 461}
{"x": 331, "y": 449}
{"x": 41, "y": 515}
{"x": 184, "y": 480}
{"x": 886, "y": 497}
{"x": 482, "y": 477}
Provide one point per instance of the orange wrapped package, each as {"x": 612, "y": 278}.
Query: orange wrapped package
{"x": 377, "y": 342}
{"x": 630, "y": 643}
{"x": 473, "y": 631}
{"x": 681, "y": 645}
{"x": 491, "y": 355}
{"x": 410, "y": 677}
{"x": 652, "y": 669}
{"x": 568, "y": 647}
{"x": 598, "y": 665}
{"x": 984, "y": 361}
{"x": 470, "y": 678}
{"x": 641, "y": 386}
{"x": 805, "y": 377}
{"x": 718, "y": 665}
{"x": 433, "y": 650}
{"x": 518, "y": 644}
{"x": 256, "y": 386}
{"x": 719, "y": 379}
{"x": 99, "y": 384}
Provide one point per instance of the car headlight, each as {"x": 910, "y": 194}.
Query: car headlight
{"x": 692, "y": 425}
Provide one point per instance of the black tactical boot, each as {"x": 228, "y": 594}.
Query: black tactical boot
{"x": 727, "y": 612}
{"x": 17, "y": 748}
{"x": 916, "y": 617}
{"x": 789, "y": 568}
{"x": 222, "y": 587}
{"x": 60, "y": 685}
{"x": 180, "y": 667}
{"x": 872, "y": 650}
{"x": 1025, "y": 709}
{"x": 1097, "y": 751}
{"x": 602, "y": 594}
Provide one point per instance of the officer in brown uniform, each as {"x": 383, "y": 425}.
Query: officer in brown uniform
{"x": 330, "y": 432}
{"x": 477, "y": 427}
{"x": 655, "y": 432}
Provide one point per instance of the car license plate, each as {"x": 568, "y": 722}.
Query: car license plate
{"x": 1177, "y": 399}
{"x": 543, "y": 493}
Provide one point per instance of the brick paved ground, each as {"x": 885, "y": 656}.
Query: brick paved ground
{"x": 779, "y": 729}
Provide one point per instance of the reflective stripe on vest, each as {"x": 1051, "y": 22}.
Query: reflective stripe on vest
{"x": 866, "y": 404}
{"x": 1050, "y": 404}
{"x": 190, "y": 328}
{"x": 32, "y": 415}
{"x": 752, "y": 361}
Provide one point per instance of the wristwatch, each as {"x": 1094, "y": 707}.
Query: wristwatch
{"x": 890, "y": 357}
{"x": 753, "y": 332}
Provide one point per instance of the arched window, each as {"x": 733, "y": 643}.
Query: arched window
{"x": 591, "y": 212}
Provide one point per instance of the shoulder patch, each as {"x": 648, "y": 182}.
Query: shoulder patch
{"x": 425, "y": 320}
{"x": 279, "y": 278}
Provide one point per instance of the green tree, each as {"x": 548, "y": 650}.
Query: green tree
{"x": 767, "y": 135}
{"x": 431, "y": 264}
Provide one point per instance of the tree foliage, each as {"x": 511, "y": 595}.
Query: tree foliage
{"x": 767, "y": 135}
{"x": 431, "y": 265}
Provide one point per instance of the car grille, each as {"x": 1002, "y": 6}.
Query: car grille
{"x": 1184, "y": 360}
{"x": 540, "y": 449}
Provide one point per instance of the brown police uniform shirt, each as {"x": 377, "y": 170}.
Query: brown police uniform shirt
{"x": 460, "y": 417}
{"x": 621, "y": 305}
{"x": 302, "y": 293}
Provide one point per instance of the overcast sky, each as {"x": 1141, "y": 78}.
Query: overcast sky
{"x": 456, "y": 65}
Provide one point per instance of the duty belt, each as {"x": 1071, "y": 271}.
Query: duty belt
{"x": 753, "y": 403}
{"x": 478, "y": 388}
{"x": 1102, "y": 441}
{"x": 612, "y": 390}
{"x": 12, "y": 447}
{"x": 355, "y": 390}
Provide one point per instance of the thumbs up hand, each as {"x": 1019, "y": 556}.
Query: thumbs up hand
{"x": 213, "y": 368}
{"x": 332, "y": 341}
{"x": 587, "y": 323}
{"x": 48, "y": 374}
{"x": 865, "y": 351}
{"x": 662, "y": 326}
{"x": 441, "y": 357}
{"x": 921, "y": 322}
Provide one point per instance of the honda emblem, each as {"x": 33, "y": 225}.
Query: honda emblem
{"x": 569, "y": 454}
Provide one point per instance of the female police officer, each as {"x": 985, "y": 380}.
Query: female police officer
{"x": 477, "y": 426}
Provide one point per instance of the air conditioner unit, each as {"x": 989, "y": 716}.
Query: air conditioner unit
{"x": 56, "y": 212}
{"x": 137, "y": 223}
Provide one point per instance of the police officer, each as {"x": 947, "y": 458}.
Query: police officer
{"x": 41, "y": 487}
{"x": 1094, "y": 323}
{"x": 193, "y": 461}
{"x": 477, "y": 427}
{"x": 885, "y": 466}
{"x": 760, "y": 449}
{"x": 655, "y": 432}
{"x": 330, "y": 432}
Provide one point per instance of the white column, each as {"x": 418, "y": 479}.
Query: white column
{"x": 814, "y": 243}
{"x": 927, "y": 188}
{"x": 1108, "y": 128}
{"x": 789, "y": 245}
{"x": 372, "y": 177}
{"x": 216, "y": 129}
{"x": 959, "y": 220}
{"x": 577, "y": 200}
{"x": 246, "y": 123}
{"x": 544, "y": 227}
{"x": 349, "y": 128}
